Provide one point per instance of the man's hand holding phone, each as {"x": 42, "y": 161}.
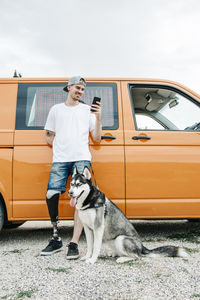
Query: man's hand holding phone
{"x": 96, "y": 107}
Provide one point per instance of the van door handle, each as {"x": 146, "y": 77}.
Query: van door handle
{"x": 141, "y": 137}
{"x": 108, "y": 137}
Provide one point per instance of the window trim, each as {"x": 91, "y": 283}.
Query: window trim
{"x": 20, "y": 122}
{"x": 161, "y": 86}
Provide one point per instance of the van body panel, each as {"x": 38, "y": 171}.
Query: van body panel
{"x": 8, "y": 99}
{"x": 30, "y": 137}
{"x": 165, "y": 209}
{"x": 170, "y": 174}
{"x": 6, "y": 138}
{"x": 6, "y": 156}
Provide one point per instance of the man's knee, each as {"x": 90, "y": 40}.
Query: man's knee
{"x": 51, "y": 193}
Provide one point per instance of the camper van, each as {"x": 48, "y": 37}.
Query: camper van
{"x": 148, "y": 161}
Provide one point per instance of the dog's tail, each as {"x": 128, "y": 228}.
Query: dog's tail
{"x": 170, "y": 251}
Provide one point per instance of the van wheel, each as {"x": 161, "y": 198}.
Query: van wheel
{"x": 2, "y": 215}
{"x": 12, "y": 225}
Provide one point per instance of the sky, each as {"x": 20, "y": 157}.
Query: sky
{"x": 105, "y": 38}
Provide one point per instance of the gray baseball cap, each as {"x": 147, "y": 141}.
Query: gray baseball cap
{"x": 74, "y": 80}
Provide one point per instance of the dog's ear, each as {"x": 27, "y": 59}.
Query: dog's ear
{"x": 86, "y": 173}
{"x": 75, "y": 171}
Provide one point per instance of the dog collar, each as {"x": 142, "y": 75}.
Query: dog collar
{"x": 96, "y": 205}
{"x": 85, "y": 207}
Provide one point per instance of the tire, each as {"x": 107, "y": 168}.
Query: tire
{"x": 11, "y": 225}
{"x": 2, "y": 215}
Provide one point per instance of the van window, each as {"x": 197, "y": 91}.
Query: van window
{"x": 163, "y": 108}
{"x": 34, "y": 101}
{"x": 146, "y": 122}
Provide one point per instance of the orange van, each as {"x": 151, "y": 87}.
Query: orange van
{"x": 148, "y": 161}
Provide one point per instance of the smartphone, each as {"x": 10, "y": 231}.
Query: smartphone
{"x": 95, "y": 100}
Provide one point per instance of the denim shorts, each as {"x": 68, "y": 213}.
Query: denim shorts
{"x": 61, "y": 170}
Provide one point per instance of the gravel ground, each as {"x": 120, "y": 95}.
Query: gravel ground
{"x": 26, "y": 275}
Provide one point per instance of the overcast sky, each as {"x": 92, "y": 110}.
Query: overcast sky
{"x": 104, "y": 38}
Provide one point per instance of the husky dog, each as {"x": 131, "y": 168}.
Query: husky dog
{"x": 104, "y": 221}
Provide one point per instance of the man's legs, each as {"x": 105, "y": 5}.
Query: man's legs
{"x": 57, "y": 183}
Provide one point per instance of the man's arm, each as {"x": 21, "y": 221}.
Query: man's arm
{"x": 50, "y": 137}
{"x": 97, "y": 132}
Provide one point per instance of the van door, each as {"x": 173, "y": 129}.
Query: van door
{"x": 162, "y": 150}
{"x": 33, "y": 157}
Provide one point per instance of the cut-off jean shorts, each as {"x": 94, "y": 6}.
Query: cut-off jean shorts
{"x": 61, "y": 170}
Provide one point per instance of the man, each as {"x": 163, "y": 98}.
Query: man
{"x": 67, "y": 130}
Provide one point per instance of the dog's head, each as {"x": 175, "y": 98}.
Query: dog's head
{"x": 80, "y": 187}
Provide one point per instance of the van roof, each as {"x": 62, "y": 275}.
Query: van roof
{"x": 100, "y": 79}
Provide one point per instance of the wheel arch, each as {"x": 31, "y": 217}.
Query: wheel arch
{"x": 4, "y": 207}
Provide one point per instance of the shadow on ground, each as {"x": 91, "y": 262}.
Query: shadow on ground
{"x": 148, "y": 230}
{"x": 35, "y": 230}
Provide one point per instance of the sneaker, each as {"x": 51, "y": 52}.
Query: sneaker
{"x": 73, "y": 252}
{"x": 54, "y": 246}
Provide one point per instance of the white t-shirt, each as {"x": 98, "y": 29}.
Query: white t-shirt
{"x": 71, "y": 125}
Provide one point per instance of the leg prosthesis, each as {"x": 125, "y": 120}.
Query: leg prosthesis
{"x": 52, "y": 198}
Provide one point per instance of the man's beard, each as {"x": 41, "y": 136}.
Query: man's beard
{"x": 75, "y": 98}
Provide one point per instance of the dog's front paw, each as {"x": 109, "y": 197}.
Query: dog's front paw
{"x": 84, "y": 258}
{"x": 91, "y": 260}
